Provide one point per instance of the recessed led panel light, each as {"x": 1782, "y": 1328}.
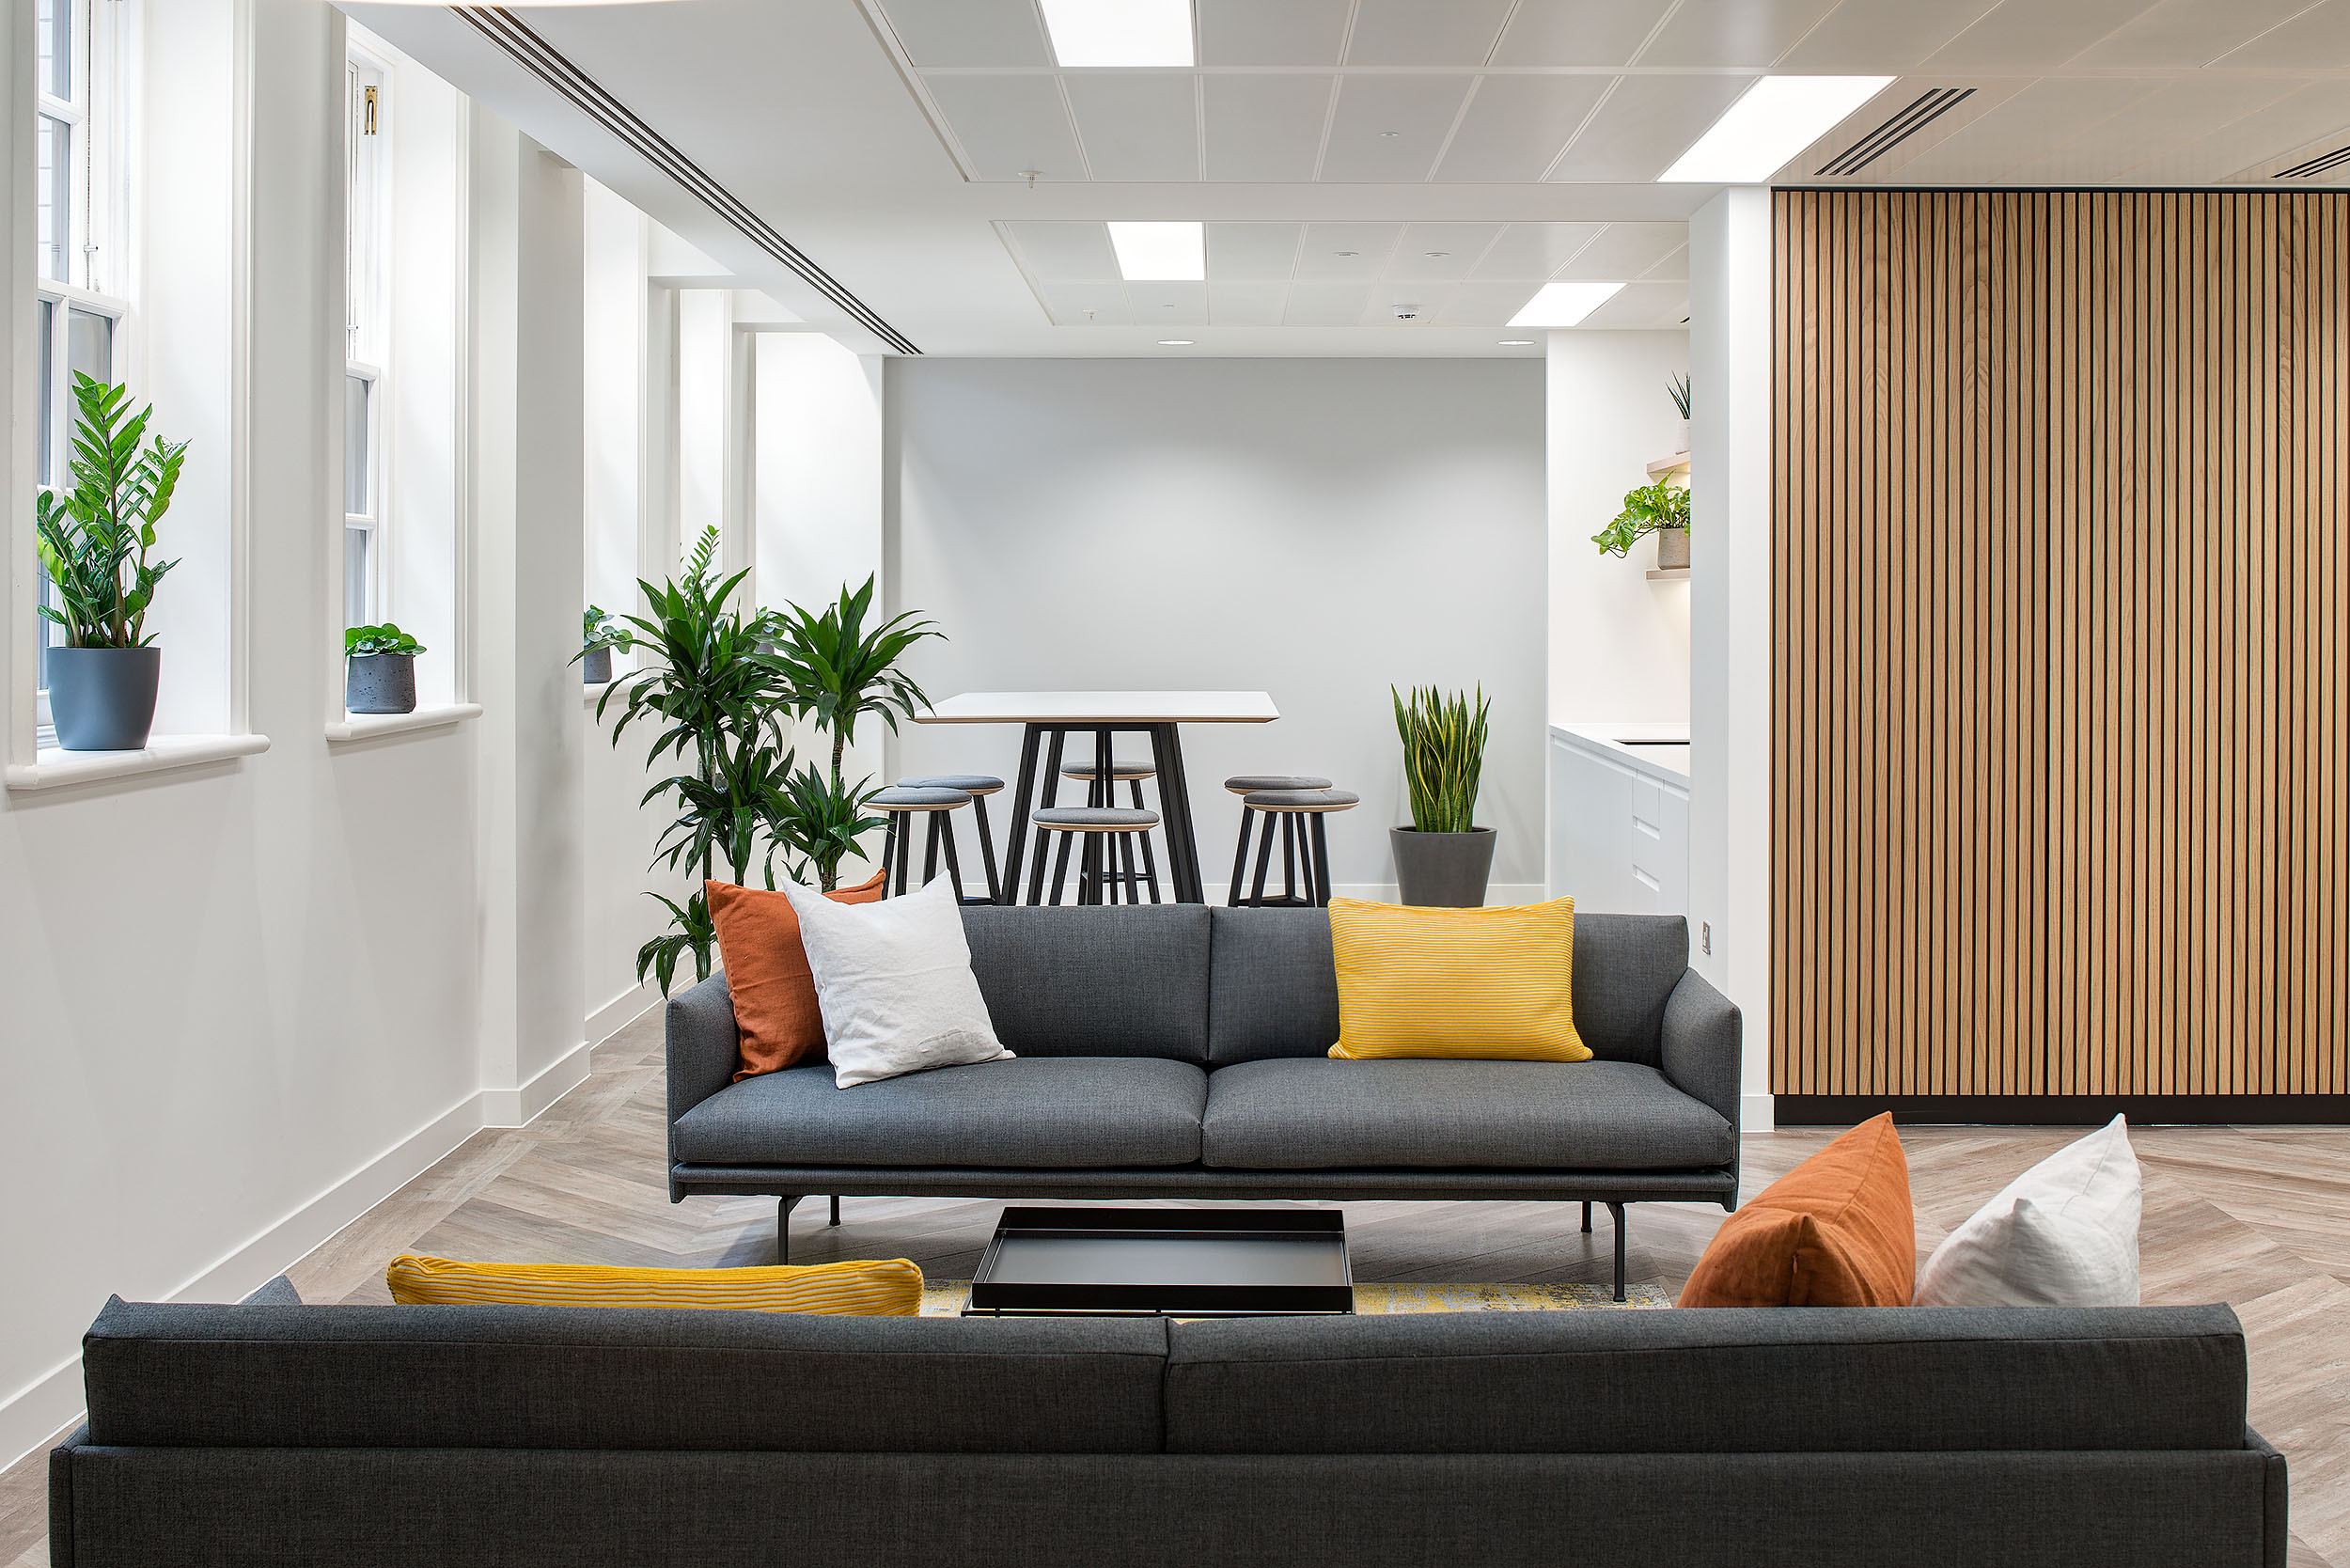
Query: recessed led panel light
{"x": 1120, "y": 32}
{"x": 1562, "y": 305}
{"x": 1161, "y": 252}
{"x": 1174, "y": 342}
{"x": 1515, "y": 344}
{"x": 1779, "y": 117}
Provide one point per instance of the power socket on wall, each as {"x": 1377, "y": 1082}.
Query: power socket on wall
{"x": 1705, "y": 938}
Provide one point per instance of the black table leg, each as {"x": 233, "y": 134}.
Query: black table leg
{"x": 1182, "y": 845}
{"x": 1048, "y": 791}
{"x": 1018, "y": 840}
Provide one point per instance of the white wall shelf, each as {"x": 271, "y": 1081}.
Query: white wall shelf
{"x": 368, "y": 726}
{"x": 1664, "y": 467}
{"x": 1667, "y": 573}
{"x": 54, "y": 769}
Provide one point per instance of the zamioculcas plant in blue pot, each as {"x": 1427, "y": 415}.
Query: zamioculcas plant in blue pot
{"x": 380, "y": 669}
{"x": 96, "y": 542}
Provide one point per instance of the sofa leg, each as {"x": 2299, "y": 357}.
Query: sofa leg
{"x": 783, "y": 1227}
{"x": 1587, "y": 1217}
{"x": 1615, "y": 1212}
{"x": 835, "y": 1209}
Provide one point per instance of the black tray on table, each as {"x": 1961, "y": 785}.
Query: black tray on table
{"x": 1192, "y": 1262}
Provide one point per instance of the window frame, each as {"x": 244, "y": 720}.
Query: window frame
{"x": 366, "y": 321}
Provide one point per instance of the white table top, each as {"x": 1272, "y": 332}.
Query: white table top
{"x": 1103, "y": 708}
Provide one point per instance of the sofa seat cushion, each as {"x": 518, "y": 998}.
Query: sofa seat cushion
{"x": 1302, "y": 1114}
{"x": 1028, "y": 1113}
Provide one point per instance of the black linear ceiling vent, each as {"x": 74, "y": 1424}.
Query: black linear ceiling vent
{"x": 2310, "y": 169}
{"x": 1930, "y": 105}
{"x": 536, "y": 56}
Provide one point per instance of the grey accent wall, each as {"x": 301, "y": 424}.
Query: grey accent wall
{"x": 1315, "y": 529}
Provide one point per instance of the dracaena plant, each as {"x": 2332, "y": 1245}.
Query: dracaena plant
{"x": 840, "y": 670}
{"x": 96, "y": 540}
{"x": 1651, "y": 509}
{"x": 1444, "y": 754}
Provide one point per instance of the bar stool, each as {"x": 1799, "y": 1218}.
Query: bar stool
{"x": 978, "y": 786}
{"x": 1244, "y": 785}
{"x": 1288, "y": 804}
{"x": 1107, "y": 831}
{"x": 1130, "y": 771}
{"x": 902, "y": 803}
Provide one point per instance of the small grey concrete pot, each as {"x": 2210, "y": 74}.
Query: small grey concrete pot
{"x": 596, "y": 668}
{"x": 1672, "y": 548}
{"x": 1442, "y": 871}
{"x": 380, "y": 683}
{"x": 104, "y": 698}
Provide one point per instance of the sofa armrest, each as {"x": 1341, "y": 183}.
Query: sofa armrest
{"x": 61, "y": 1498}
{"x": 1700, "y": 1044}
{"x": 703, "y": 1048}
{"x": 2276, "y": 1522}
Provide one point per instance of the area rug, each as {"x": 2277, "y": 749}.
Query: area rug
{"x": 944, "y": 1299}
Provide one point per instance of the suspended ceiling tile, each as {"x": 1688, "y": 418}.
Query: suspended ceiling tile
{"x": 1167, "y": 304}
{"x": 2162, "y": 122}
{"x": 1417, "y": 33}
{"x": 1882, "y": 39}
{"x": 1530, "y": 252}
{"x": 1578, "y": 32}
{"x": 1440, "y": 251}
{"x": 1886, "y": 166}
{"x": 1352, "y": 251}
{"x": 2045, "y": 112}
{"x": 1326, "y": 304}
{"x": 1252, "y": 252}
{"x": 1752, "y": 32}
{"x": 1388, "y": 129}
{"x": 1266, "y": 129}
{"x": 1626, "y": 250}
{"x": 1641, "y": 306}
{"x": 1674, "y": 268}
{"x": 1086, "y": 304}
{"x": 1138, "y": 125}
{"x": 2034, "y": 35}
{"x": 1009, "y": 123}
{"x": 1644, "y": 124}
{"x": 1516, "y": 125}
{"x": 1246, "y": 304}
{"x": 1483, "y": 304}
{"x": 1054, "y": 250}
{"x": 1271, "y": 32}
{"x": 968, "y": 32}
{"x": 2182, "y": 35}
{"x": 2318, "y": 37}
{"x": 2312, "y": 119}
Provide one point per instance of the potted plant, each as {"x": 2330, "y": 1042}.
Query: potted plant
{"x": 95, "y": 541}
{"x": 1443, "y": 860}
{"x": 1678, "y": 389}
{"x": 380, "y": 669}
{"x": 598, "y": 636}
{"x": 1661, "y": 509}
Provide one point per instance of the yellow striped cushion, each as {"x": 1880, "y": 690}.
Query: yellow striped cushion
{"x": 1495, "y": 983}
{"x": 880, "y": 1290}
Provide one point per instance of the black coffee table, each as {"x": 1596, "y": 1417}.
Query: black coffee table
{"x": 1188, "y": 1263}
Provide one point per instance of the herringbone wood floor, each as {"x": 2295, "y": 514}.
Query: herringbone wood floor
{"x": 2256, "y": 1217}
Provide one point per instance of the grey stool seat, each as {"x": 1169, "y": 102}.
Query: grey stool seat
{"x": 945, "y": 792}
{"x": 1111, "y": 834}
{"x": 969, "y": 783}
{"x": 1094, "y": 819}
{"x": 1300, "y": 800}
{"x": 909, "y": 797}
{"x": 906, "y": 801}
{"x": 1249, "y": 783}
{"x": 1123, "y": 770}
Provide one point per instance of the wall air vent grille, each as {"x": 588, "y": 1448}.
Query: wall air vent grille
{"x": 1929, "y": 106}
{"x": 536, "y": 56}
{"x": 2310, "y": 169}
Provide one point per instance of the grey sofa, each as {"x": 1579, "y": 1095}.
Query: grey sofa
{"x": 1179, "y": 1051}
{"x": 527, "y": 1437}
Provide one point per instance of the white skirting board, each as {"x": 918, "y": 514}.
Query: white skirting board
{"x": 1497, "y": 895}
{"x": 1757, "y": 1112}
{"x": 625, "y": 1009}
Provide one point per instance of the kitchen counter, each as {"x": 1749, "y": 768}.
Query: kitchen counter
{"x": 1620, "y": 817}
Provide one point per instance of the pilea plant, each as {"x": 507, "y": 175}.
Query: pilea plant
{"x": 366, "y": 642}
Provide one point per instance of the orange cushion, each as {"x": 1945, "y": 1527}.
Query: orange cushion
{"x": 1834, "y": 1232}
{"x": 775, "y": 1016}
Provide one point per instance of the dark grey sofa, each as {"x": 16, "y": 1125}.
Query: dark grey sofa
{"x": 387, "y": 1438}
{"x": 1179, "y": 1051}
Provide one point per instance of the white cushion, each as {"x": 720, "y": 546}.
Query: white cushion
{"x": 894, "y": 981}
{"x": 2064, "y": 1234}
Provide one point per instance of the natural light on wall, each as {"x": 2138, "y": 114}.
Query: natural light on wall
{"x": 1120, "y": 32}
{"x": 1562, "y": 305}
{"x": 1779, "y": 117}
{"x": 1160, "y": 252}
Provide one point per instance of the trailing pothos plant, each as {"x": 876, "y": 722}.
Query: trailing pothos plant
{"x": 717, "y": 699}
{"x": 1650, "y": 510}
{"x": 96, "y": 540}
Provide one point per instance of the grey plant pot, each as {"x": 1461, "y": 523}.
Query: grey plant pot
{"x": 380, "y": 683}
{"x": 1442, "y": 871}
{"x": 104, "y": 698}
{"x": 1672, "y": 548}
{"x": 596, "y": 668}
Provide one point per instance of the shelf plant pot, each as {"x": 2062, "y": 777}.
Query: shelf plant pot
{"x": 1442, "y": 871}
{"x": 596, "y": 668}
{"x": 104, "y": 698}
{"x": 380, "y": 683}
{"x": 1672, "y": 548}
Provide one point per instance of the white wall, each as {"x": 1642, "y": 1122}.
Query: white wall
{"x": 1315, "y": 529}
{"x": 1618, "y": 643}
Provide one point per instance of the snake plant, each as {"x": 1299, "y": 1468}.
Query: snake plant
{"x": 1444, "y": 752}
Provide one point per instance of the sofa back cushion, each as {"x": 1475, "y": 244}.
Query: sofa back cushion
{"x": 1104, "y": 982}
{"x": 1274, "y": 991}
{"x": 1894, "y": 1379}
{"x": 585, "y": 1377}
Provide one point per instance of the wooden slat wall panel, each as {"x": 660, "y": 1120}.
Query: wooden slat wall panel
{"x": 2062, "y": 767}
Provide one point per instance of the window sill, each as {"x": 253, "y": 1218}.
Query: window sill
{"x": 592, "y": 695}
{"x": 367, "y": 727}
{"x": 53, "y": 768}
